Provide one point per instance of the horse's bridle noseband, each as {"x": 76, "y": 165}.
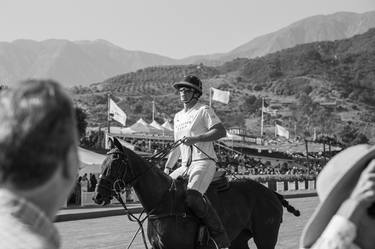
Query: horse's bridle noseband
{"x": 119, "y": 183}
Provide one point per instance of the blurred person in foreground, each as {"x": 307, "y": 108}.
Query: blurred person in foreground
{"x": 345, "y": 217}
{"x": 38, "y": 163}
{"x": 198, "y": 126}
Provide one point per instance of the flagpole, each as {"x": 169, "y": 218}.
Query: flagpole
{"x": 307, "y": 150}
{"x": 314, "y": 136}
{"x": 210, "y": 95}
{"x": 153, "y": 109}
{"x": 275, "y": 129}
{"x": 261, "y": 120}
{"x": 108, "y": 116}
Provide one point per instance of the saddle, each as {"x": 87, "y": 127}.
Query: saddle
{"x": 219, "y": 183}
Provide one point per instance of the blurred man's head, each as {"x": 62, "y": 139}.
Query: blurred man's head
{"x": 335, "y": 185}
{"x": 189, "y": 88}
{"x": 38, "y": 136}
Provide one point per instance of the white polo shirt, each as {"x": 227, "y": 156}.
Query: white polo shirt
{"x": 196, "y": 121}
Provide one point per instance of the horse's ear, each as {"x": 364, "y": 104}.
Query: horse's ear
{"x": 118, "y": 144}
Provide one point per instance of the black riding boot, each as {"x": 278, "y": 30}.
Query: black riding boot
{"x": 203, "y": 209}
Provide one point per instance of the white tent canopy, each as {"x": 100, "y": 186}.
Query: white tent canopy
{"x": 127, "y": 130}
{"x": 142, "y": 126}
{"x": 90, "y": 162}
{"x": 167, "y": 125}
{"x": 158, "y": 126}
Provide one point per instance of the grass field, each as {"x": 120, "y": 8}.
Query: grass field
{"x": 116, "y": 232}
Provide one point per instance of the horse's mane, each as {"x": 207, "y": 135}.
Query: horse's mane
{"x": 138, "y": 158}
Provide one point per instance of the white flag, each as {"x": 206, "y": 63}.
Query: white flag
{"x": 116, "y": 113}
{"x": 269, "y": 111}
{"x": 282, "y": 131}
{"x": 220, "y": 95}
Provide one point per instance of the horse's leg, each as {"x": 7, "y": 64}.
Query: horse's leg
{"x": 266, "y": 233}
{"x": 241, "y": 241}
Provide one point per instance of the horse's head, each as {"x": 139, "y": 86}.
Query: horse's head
{"x": 113, "y": 174}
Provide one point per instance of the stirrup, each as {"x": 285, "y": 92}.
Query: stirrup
{"x": 216, "y": 245}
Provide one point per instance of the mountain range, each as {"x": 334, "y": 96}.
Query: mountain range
{"x": 85, "y": 62}
{"x": 326, "y": 86}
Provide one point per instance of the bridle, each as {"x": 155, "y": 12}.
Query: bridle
{"x": 119, "y": 184}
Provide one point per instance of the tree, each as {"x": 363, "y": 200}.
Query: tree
{"x": 360, "y": 139}
{"x": 81, "y": 117}
{"x": 351, "y": 135}
{"x": 138, "y": 109}
{"x": 250, "y": 104}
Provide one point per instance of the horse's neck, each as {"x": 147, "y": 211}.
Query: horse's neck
{"x": 151, "y": 187}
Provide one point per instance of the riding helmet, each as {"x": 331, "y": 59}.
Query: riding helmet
{"x": 191, "y": 81}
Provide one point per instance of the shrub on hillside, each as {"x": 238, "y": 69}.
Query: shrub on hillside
{"x": 258, "y": 87}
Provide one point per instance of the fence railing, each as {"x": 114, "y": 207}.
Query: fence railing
{"x": 276, "y": 185}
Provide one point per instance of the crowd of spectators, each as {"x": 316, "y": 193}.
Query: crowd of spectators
{"x": 150, "y": 146}
{"x": 83, "y": 184}
{"x": 239, "y": 163}
{"x": 243, "y": 164}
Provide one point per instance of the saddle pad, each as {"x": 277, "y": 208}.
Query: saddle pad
{"x": 220, "y": 181}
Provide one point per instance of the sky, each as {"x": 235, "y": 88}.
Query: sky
{"x": 173, "y": 28}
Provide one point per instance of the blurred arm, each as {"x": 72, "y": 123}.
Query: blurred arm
{"x": 172, "y": 160}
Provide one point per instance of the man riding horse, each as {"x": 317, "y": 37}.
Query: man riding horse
{"x": 198, "y": 126}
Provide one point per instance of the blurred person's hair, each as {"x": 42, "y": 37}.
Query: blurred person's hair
{"x": 37, "y": 130}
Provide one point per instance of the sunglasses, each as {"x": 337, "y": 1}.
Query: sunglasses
{"x": 185, "y": 90}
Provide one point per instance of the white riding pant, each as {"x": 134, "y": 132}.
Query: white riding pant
{"x": 200, "y": 174}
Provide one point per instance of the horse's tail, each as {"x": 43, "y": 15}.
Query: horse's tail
{"x": 286, "y": 204}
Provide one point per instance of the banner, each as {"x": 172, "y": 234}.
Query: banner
{"x": 116, "y": 113}
{"x": 282, "y": 131}
{"x": 220, "y": 95}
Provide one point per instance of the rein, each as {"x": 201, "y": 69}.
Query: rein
{"x": 119, "y": 184}
{"x": 161, "y": 154}
{"x": 208, "y": 157}
{"x": 158, "y": 157}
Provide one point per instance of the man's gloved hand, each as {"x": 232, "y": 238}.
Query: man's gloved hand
{"x": 167, "y": 170}
{"x": 190, "y": 140}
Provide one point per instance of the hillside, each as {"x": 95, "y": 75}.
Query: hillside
{"x": 85, "y": 62}
{"x": 323, "y": 85}
{"x": 331, "y": 27}
{"x": 73, "y": 63}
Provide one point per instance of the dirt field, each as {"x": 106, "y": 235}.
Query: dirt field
{"x": 116, "y": 232}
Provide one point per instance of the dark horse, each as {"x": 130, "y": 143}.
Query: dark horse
{"x": 247, "y": 208}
